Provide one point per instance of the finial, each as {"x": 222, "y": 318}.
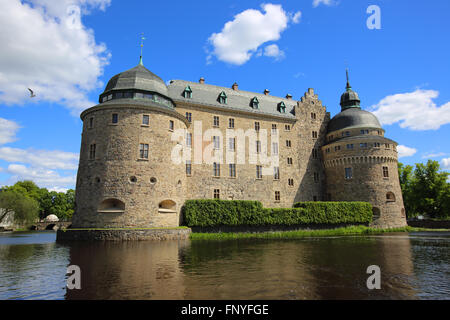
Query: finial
{"x": 348, "y": 83}
{"x": 142, "y": 46}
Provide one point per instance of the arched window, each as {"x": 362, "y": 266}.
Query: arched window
{"x": 254, "y": 103}
{"x": 390, "y": 197}
{"x": 222, "y": 98}
{"x": 282, "y": 107}
{"x": 111, "y": 205}
{"x": 167, "y": 206}
{"x": 187, "y": 93}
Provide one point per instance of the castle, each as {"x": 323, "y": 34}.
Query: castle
{"x": 145, "y": 150}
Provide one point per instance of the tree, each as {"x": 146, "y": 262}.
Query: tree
{"x": 25, "y": 208}
{"x": 406, "y": 176}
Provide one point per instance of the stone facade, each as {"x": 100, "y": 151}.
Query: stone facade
{"x": 119, "y": 185}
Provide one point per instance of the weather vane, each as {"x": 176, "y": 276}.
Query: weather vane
{"x": 142, "y": 46}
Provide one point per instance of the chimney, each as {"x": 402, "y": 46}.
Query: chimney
{"x": 289, "y": 97}
{"x": 266, "y": 92}
{"x": 235, "y": 86}
{"x": 202, "y": 80}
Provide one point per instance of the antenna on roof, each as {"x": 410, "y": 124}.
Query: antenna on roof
{"x": 142, "y": 46}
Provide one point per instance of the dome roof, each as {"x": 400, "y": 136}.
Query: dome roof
{"x": 139, "y": 78}
{"x": 353, "y": 118}
{"x": 51, "y": 218}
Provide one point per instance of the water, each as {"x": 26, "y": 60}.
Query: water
{"x": 413, "y": 266}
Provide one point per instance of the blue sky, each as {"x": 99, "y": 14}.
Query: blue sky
{"x": 67, "y": 50}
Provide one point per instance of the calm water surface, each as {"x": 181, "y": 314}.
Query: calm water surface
{"x": 414, "y": 266}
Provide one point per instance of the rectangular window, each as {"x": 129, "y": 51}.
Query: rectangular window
{"x": 216, "y": 194}
{"x": 288, "y": 143}
{"x": 92, "y": 151}
{"x": 232, "y": 144}
{"x": 216, "y": 121}
{"x": 216, "y": 142}
{"x": 290, "y": 182}
{"x": 274, "y": 128}
{"x": 275, "y": 148}
{"x": 216, "y": 169}
{"x": 385, "y": 172}
{"x": 231, "y": 123}
{"x": 387, "y": 145}
{"x": 328, "y": 150}
{"x": 316, "y": 177}
{"x": 143, "y": 151}
{"x": 363, "y": 145}
{"x": 258, "y": 172}
{"x": 314, "y": 134}
{"x": 91, "y": 122}
{"x": 364, "y": 131}
{"x": 348, "y": 173}
{"x": 232, "y": 168}
{"x": 315, "y": 153}
{"x": 337, "y": 148}
{"x": 376, "y": 145}
{"x": 189, "y": 116}
{"x": 115, "y": 118}
{"x": 171, "y": 125}
{"x": 189, "y": 139}
{"x": 276, "y": 173}
{"x": 145, "y": 119}
{"x": 257, "y": 127}
{"x": 289, "y": 161}
{"x": 277, "y": 196}
{"x": 287, "y": 127}
{"x": 350, "y": 146}
{"x": 313, "y": 116}
{"x": 258, "y": 146}
{"x": 188, "y": 167}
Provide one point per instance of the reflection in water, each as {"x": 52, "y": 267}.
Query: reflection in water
{"x": 414, "y": 266}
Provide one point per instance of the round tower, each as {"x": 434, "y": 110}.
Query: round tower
{"x": 361, "y": 164}
{"x": 126, "y": 177}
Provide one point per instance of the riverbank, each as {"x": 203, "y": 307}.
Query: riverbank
{"x": 299, "y": 234}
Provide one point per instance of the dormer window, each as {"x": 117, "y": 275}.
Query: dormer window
{"x": 222, "y": 98}
{"x": 282, "y": 107}
{"x": 255, "y": 103}
{"x": 187, "y": 93}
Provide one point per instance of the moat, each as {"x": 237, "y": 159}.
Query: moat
{"x": 413, "y": 266}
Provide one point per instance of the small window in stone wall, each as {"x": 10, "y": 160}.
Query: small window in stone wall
{"x": 376, "y": 213}
{"x": 143, "y": 150}
{"x": 385, "y": 172}
{"x": 188, "y": 167}
{"x": 348, "y": 173}
{"x": 314, "y": 134}
{"x": 257, "y": 127}
{"x": 133, "y": 179}
{"x": 92, "y": 148}
{"x": 171, "y": 125}
{"x": 115, "y": 118}
{"x": 258, "y": 172}
{"x": 145, "y": 120}
{"x": 390, "y": 197}
{"x": 277, "y": 196}
{"x": 216, "y": 193}
{"x": 91, "y": 122}
{"x": 291, "y": 182}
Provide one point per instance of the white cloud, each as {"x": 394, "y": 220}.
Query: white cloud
{"x": 42, "y": 177}
{"x": 8, "y": 130}
{"x": 433, "y": 155}
{"x": 48, "y": 49}
{"x": 414, "y": 110}
{"x": 404, "y": 151}
{"x": 446, "y": 163}
{"x": 41, "y": 158}
{"x": 241, "y": 37}
{"x": 274, "y": 52}
{"x": 316, "y": 3}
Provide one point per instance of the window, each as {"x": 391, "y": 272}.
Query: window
{"x": 258, "y": 146}
{"x": 189, "y": 139}
{"x": 276, "y": 173}
{"x": 232, "y": 167}
{"x": 216, "y": 121}
{"x": 316, "y": 177}
{"x": 145, "y": 119}
{"x": 376, "y": 145}
{"x": 363, "y": 145}
{"x": 188, "y": 167}
{"x": 337, "y": 148}
{"x": 289, "y": 161}
{"x": 92, "y": 151}
{"x": 348, "y": 173}
{"x": 385, "y": 172}
{"x": 222, "y": 98}
{"x": 288, "y": 143}
{"x": 216, "y": 194}
{"x": 330, "y": 138}
{"x": 274, "y": 148}
{"x": 364, "y": 131}
{"x": 390, "y": 197}
{"x": 291, "y": 182}
{"x": 277, "y": 196}
{"x": 143, "y": 151}
{"x": 387, "y": 145}
{"x": 139, "y": 95}
{"x": 347, "y": 133}
{"x": 274, "y": 128}
{"x": 257, "y": 127}
{"x": 231, "y": 123}
{"x": 254, "y": 103}
{"x": 314, "y": 134}
{"x": 171, "y": 125}
{"x": 91, "y": 122}
{"x": 216, "y": 169}
{"x": 287, "y": 127}
{"x": 128, "y": 94}
{"x": 187, "y": 93}
{"x": 328, "y": 150}
{"x": 315, "y": 153}
{"x": 232, "y": 144}
{"x": 189, "y": 116}
{"x": 258, "y": 172}
{"x": 282, "y": 107}
{"x": 216, "y": 142}
{"x": 350, "y": 146}
{"x": 313, "y": 116}
{"x": 115, "y": 118}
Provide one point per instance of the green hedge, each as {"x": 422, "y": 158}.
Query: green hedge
{"x": 211, "y": 213}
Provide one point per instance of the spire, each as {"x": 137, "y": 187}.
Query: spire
{"x": 348, "y": 83}
{"x": 142, "y": 46}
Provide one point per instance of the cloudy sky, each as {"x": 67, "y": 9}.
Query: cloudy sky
{"x": 67, "y": 50}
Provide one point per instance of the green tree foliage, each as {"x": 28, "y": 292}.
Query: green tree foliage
{"x": 25, "y": 208}
{"x": 425, "y": 190}
{"x": 49, "y": 202}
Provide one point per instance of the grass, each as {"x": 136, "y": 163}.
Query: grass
{"x": 299, "y": 234}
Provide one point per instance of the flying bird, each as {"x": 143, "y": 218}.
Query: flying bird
{"x": 32, "y": 95}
